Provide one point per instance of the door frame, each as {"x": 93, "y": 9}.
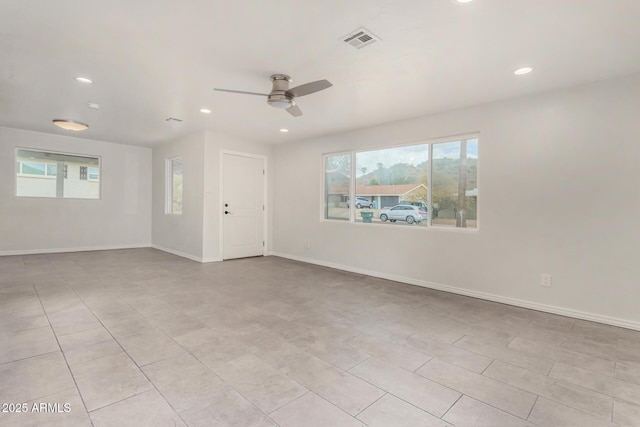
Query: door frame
{"x": 265, "y": 198}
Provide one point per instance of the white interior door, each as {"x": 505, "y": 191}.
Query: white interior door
{"x": 242, "y": 206}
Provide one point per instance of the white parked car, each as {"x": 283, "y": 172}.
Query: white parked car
{"x": 407, "y": 213}
{"x": 362, "y": 202}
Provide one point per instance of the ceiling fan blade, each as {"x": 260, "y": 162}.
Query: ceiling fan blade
{"x": 309, "y": 88}
{"x": 241, "y": 92}
{"x": 295, "y": 111}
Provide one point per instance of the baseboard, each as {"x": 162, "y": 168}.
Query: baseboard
{"x": 476, "y": 294}
{"x": 64, "y": 250}
{"x": 206, "y": 260}
{"x": 178, "y": 253}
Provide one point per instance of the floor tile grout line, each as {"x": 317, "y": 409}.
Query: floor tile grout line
{"x": 453, "y": 344}
{"x": 560, "y": 382}
{"x": 570, "y": 384}
{"x": 522, "y": 353}
{"x": 372, "y": 403}
{"x": 354, "y": 366}
{"x": 398, "y": 397}
{"x": 418, "y": 368}
{"x": 533, "y": 406}
{"x": 452, "y": 405}
{"x": 479, "y": 400}
{"x": 129, "y": 356}
{"x": 64, "y": 356}
{"x": 488, "y": 366}
{"x": 290, "y": 402}
{"x": 118, "y": 401}
{"x": 30, "y": 357}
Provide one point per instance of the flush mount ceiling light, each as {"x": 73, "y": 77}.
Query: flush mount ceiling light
{"x": 205, "y": 111}
{"x": 70, "y": 125}
{"x": 522, "y": 71}
{"x": 464, "y": 1}
{"x": 84, "y": 80}
{"x": 93, "y": 105}
{"x": 283, "y": 130}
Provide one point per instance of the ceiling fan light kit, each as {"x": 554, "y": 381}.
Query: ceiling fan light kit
{"x": 281, "y": 96}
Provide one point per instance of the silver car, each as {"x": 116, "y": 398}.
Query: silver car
{"x": 362, "y": 202}
{"x": 407, "y": 213}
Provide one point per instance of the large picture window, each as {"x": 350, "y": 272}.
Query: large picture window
{"x": 37, "y": 175}
{"x": 414, "y": 185}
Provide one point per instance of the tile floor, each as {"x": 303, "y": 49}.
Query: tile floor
{"x": 140, "y": 337}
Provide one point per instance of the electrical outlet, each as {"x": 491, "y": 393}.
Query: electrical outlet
{"x": 307, "y": 245}
{"x": 545, "y": 280}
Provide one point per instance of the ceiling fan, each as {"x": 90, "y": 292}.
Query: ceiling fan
{"x": 283, "y": 97}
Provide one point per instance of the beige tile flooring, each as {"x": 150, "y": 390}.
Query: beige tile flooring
{"x": 140, "y": 337}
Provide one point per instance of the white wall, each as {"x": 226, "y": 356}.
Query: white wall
{"x": 180, "y": 234}
{"x": 559, "y": 194}
{"x": 119, "y": 219}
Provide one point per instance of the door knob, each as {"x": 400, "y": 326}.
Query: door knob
{"x": 227, "y": 212}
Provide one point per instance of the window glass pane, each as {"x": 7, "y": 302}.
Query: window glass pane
{"x": 337, "y": 178}
{"x": 455, "y": 183}
{"x": 390, "y": 177}
{"x": 41, "y": 179}
{"x": 176, "y": 185}
{"x": 30, "y": 168}
{"x": 94, "y": 173}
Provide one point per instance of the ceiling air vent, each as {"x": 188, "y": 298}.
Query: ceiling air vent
{"x": 172, "y": 119}
{"x": 360, "y": 38}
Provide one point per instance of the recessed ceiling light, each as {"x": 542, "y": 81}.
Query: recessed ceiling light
{"x": 283, "y": 130}
{"x": 93, "y": 105}
{"x": 84, "y": 80}
{"x": 205, "y": 110}
{"x": 464, "y": 1}
{"x": 523, "y": 70}
{"x": 71, "y": 125}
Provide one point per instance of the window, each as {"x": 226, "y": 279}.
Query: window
{"x": 455, "y": 183}
{"x": 173, "y": 202}
{"x": 337, "y": 173}
{"x": 37, "y": 175}
{"x": 390, "y": 177}
{"x": 419, "y": 185}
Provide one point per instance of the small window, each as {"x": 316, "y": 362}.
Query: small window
{"x": 37, "y": 175}
{"x": 337, "y": 177}
{"x": 173, "y": 202}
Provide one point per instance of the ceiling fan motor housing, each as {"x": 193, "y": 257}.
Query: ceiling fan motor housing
{"x": 278, "y": 97}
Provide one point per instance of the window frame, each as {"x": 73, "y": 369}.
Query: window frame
{"x": 18, "y": 172}
{"x": 352, "y": 183}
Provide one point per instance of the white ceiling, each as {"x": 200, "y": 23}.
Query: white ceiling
{"x": 152, "y": 59}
